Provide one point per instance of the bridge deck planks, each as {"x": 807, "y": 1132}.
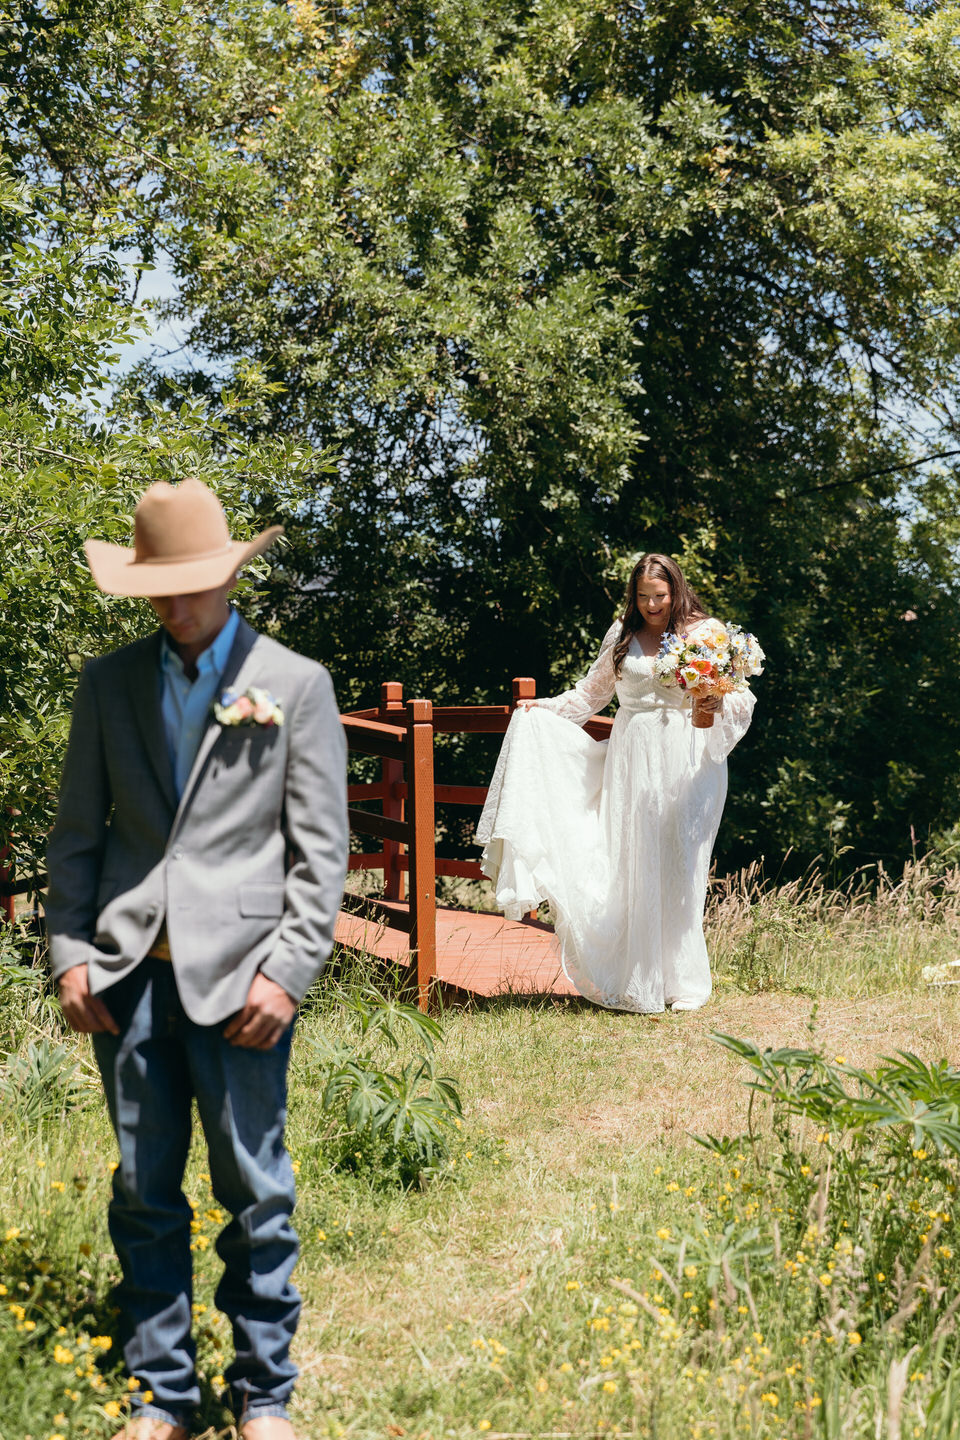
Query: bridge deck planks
{"x": 479, "y": 953}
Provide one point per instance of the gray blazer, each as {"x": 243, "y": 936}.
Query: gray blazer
{"x": 247, "y": 869}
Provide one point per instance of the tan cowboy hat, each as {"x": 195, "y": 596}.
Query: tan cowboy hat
{"x": 181, "y": 544}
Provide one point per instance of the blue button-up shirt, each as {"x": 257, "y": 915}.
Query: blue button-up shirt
{"x": 186, "y": 703}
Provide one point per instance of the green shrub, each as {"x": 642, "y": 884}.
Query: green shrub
{"x": 824, "y": 1239}
{"x": 42, "y": 1083}
{"x": 27, "y": 1003}
{"x": 400, "y": 1121}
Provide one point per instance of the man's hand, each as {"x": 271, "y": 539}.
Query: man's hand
{"x": 267, "y": 1013}
{"x": 83, "y": 1011}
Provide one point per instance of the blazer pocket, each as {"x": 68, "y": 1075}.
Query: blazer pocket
{"x": 263, "y": 899}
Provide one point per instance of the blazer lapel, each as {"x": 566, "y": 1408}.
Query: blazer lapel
{"x": 146, "y": 686}
{"x": 235, "y": 676}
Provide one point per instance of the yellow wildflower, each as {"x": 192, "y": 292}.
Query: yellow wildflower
{"x": 854, "y": 1337}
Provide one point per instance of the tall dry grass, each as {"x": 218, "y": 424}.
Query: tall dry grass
{"x": 871, "y": 933}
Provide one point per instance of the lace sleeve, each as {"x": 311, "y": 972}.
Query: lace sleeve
{"x": 730, "y": 726}
{"x": 594, "y": 692}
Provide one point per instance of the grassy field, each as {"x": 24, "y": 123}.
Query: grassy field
{"x": 554, "y": 1279}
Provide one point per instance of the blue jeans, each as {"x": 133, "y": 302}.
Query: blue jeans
{"x": 151, "y": 1072}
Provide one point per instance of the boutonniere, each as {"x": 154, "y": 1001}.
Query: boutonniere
{"x": 253, "y": 707}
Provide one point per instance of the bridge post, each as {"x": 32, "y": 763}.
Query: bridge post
{"x": 8, "y": 904}
{"x": 422, "y": 848}
{"x": 392, "y": 712}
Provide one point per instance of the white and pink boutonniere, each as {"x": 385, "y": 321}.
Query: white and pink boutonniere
{"x": 253, "y": 707}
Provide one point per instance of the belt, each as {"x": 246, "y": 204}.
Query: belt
{"x": 653, "y": 707}
{"x": 160, "y": 949}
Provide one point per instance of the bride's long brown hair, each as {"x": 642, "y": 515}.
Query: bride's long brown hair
{"x": 685, "y": 603}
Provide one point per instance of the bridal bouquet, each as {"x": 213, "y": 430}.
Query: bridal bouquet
{"x": 716, "y": 660}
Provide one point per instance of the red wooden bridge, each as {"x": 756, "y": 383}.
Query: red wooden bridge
{"x": 470, "y": 951}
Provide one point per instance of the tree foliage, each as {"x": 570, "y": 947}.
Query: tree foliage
{"x": 561, "y": 282}
{"x": 71, "y": 466}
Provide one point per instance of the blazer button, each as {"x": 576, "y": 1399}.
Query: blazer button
{"x": 152, "y": 912}
{"x": 176, "y": 854}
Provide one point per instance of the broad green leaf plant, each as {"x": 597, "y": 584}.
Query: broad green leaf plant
{"x": 395, "y": 1123}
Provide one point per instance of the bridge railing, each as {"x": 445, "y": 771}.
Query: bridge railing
{"x": 401, "y": 734}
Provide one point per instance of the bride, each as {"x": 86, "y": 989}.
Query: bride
{"x": 617, "y": 835}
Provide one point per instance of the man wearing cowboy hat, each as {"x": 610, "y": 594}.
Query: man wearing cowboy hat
{"x": 196, "y": 867}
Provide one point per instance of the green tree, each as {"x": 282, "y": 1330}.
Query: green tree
{"x": 71, "y": 467}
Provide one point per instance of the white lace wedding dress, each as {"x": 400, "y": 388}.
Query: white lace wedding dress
{"x": 616, "y": 835}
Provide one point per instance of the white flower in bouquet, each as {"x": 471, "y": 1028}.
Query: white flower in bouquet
{"x": 745, "y": 654}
